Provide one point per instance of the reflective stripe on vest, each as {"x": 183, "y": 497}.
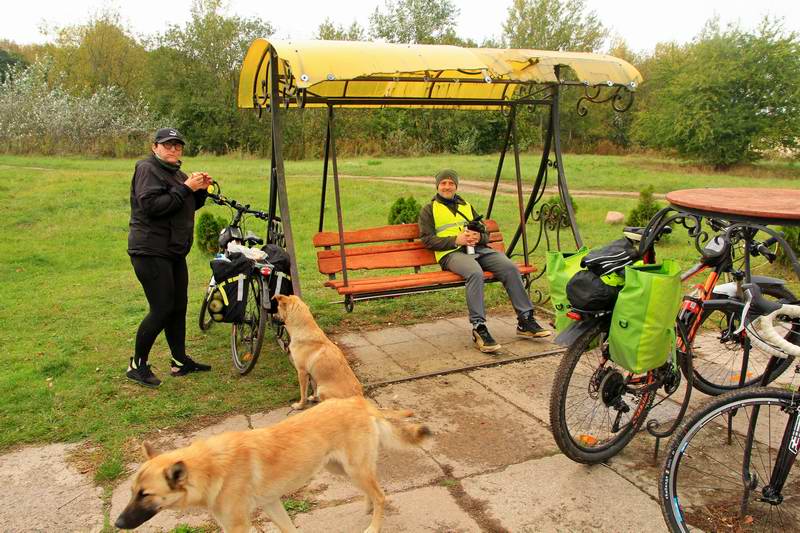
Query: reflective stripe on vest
{"x": 449, "y": 224}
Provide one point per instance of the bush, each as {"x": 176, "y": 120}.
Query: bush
{"x": 644, "y": 210}
{"x": 792, "y": 236}
{"x": 208, "y": 228}
{"x": 404, "y": 211}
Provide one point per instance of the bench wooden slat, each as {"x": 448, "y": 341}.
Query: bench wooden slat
{"x": 414, "y": 257}
{"x": 442, "y": 278}
{"x": 382, "y": 248}
{"x": 396, "y": 232}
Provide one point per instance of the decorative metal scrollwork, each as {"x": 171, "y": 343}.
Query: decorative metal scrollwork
{"x": 551, "y": 218}
{"x": 621, "y": 98}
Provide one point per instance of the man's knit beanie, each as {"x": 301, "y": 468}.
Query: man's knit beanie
{"x": 446, "y": 173}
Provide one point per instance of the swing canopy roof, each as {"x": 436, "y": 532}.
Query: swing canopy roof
{"x": 372, "y": 74}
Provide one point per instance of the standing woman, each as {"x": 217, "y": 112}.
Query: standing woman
{"x": 163, "y": 202}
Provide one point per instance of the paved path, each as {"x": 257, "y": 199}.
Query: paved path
{"x": 492, "y": 464}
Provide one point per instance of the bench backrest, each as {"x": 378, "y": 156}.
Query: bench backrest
{"x": 388, "y": 254}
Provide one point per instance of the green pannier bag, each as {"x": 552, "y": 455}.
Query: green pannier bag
{"x": 642, "y": 334}
{"x": 561, "y": 267}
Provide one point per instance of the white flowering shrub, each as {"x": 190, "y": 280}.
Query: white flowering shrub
{"x": 38, "y": 115}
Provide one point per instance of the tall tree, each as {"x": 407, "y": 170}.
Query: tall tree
{"x": 415, "y": 22}
{"x": 553, "y": 25}
{"x": 8, "y": 61}
{"x": 328, "y": 31}
{"x": 726, "y": 97}
{"x": 195, "y": 73}
{"x": 100, "y": 53}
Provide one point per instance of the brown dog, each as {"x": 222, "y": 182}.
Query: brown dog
{"x": 234, "y": 473}
{"x": 314, "y": 355}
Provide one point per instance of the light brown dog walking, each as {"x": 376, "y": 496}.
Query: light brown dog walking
{"x": 314, "y": 355}
{"x": 234, "y": 473}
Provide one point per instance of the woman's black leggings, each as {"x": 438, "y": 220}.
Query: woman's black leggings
{"x": 165, "y": 283}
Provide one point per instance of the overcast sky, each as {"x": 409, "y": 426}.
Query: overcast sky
{"x": 641, "y": 23}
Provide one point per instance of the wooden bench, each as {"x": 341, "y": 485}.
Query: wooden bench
{"x": 377, "y": 249}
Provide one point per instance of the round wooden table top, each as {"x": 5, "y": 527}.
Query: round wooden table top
{"x": 769, "y": 206}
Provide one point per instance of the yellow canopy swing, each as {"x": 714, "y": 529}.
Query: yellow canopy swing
{"x": 298, "y": 74}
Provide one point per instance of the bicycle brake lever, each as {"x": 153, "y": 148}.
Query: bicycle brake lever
{"x": 748, "y": 300}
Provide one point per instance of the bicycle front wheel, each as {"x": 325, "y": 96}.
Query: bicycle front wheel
{"x": 713, "y": 480}
{"x": 593, "y": 411}
{"x": 247, "y": 337}
{"x": 718, "y": 353}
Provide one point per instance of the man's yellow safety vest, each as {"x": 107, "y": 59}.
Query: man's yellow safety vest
{"x": 449, "y": 224}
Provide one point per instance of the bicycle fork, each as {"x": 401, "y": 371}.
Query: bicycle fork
{"x": 787, "y": 454}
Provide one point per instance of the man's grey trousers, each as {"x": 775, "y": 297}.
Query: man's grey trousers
{"x": 471, "y": 268}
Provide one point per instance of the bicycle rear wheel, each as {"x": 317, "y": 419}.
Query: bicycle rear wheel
{"x": 248, "y": 336}
{"x": 702, "y": 485}
{"x": 718, "y": 352}
{"x": 593, "y": 414}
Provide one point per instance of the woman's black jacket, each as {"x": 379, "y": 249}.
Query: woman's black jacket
{"x": 162, "y": 210}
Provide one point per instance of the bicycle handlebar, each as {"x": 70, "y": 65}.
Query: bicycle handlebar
{"x": 242, "y": 208}
{"x": 761, "y": 330}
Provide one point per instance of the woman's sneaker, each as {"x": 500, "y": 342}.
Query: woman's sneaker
{"x": 528, "y": 327}
{"x": 187, "y": 366}
{"x": 484, "y": 340}
{"x": 142, "y": 374}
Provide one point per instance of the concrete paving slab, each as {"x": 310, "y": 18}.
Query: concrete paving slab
{"x": 474, "y": 429}
{"x": 269, "y": 418}
{"x": 526, "y": 384}
{"x": 437, "y": 328}
{"x": 423, "y": 365}
{"x": 555, "y": 494}
{"x": 424, "y": 509}
{"x": 413, "y": 349}
{"x": 44, "y": 492}
{"x": 351, "y": 340}
{"x": 398, "y": 470}
{"x": 382, "y": 337}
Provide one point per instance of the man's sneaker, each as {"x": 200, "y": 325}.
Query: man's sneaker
{"x": 186, "y": 366}
{"x": 142, "y": 375}
{"x": 528, "y": 327}
{"x": 484, "y": 340}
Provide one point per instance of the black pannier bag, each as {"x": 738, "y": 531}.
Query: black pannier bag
{"x": 230, "y": 275}
{"x": 613, "y": 257}
{"x": 280, "y": 280}
{"x": 587, "y": 292}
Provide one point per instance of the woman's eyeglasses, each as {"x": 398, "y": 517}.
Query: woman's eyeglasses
{"x": 172, "y": 146}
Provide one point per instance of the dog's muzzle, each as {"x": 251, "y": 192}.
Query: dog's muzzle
{"x": 134, "y": 516}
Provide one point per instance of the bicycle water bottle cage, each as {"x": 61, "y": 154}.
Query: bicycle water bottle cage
{"x": 716, "y": 250}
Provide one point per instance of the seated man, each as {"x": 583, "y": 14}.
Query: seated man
{"x": 442, "y": 227}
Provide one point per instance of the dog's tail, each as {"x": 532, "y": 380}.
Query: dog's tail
{"x": 397, "y": 433}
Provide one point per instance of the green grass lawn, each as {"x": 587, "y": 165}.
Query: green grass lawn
{"x": 71, "y": 303}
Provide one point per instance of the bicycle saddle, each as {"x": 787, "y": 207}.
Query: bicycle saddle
{"x": 251, "y": 239}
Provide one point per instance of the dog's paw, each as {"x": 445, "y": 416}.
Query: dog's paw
{"x": 313, "y": 398}
{"x": 297, "y": 406}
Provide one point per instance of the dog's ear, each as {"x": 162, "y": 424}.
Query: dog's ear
{"x": 149, "y": 451}
{"x": 281, "y": 298}
{"x": 176, "y": 475}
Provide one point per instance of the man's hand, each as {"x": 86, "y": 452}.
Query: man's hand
{"x": 468, "y": 238}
